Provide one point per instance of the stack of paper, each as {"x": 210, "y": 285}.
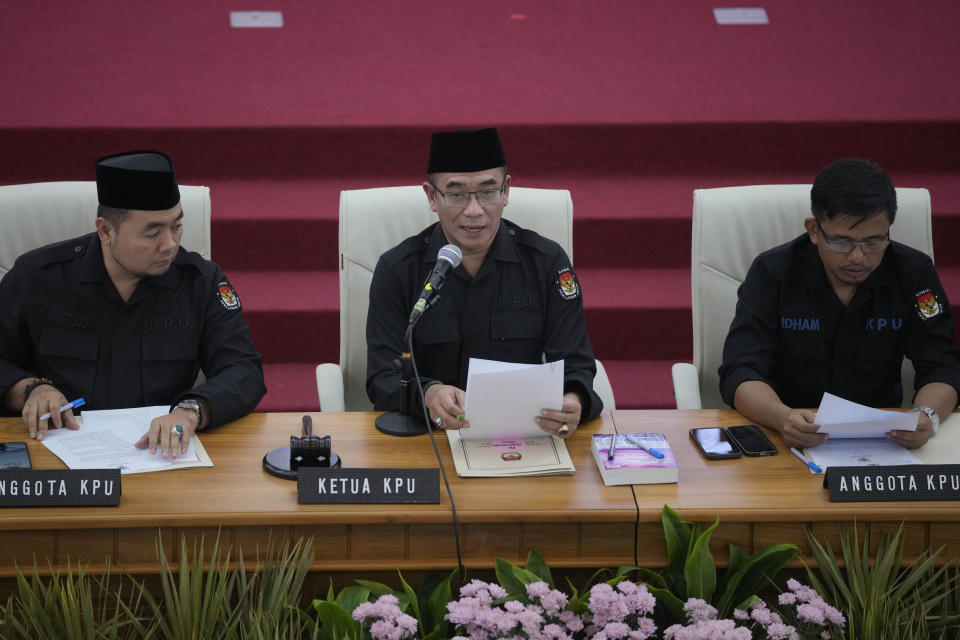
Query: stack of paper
{"x": 106, "y": 440}
{"x": 858, "y": 435}
{"x": 503, "y": 398}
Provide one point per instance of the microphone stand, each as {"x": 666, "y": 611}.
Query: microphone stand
{"x": 401, "y": 423}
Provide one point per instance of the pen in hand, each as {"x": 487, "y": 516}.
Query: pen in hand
{"x": 79, "y": 402}
{"x": 813, "y": 466}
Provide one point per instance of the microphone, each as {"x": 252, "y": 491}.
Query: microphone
{"x": 448, "y": 258}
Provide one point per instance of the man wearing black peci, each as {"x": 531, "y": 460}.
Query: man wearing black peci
{"x": 125, "y": 317}
{"x": 837, "y": 310}
{"x": 514, "y": 297}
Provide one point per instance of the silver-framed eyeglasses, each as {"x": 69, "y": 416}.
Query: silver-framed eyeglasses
{"x": 846, "y": 246}
{"x": 461, "y": 198}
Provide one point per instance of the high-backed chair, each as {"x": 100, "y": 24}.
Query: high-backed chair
{"x": 375, "y": 220}
{"x": 32, "y": 215}
{"x": 731, "y": 226}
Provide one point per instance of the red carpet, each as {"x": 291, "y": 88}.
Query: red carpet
{"x": 630, "y": 105}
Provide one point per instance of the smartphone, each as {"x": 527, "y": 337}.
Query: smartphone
{"x": 714, "y": 443}
{"x": 751, "y": 440}
{"x": 14, "y": 455}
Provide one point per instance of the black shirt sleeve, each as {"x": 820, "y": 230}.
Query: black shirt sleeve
{"x": 234, "y": 373}
{"x": 387, "y": 317}
{"x": 14, "y": 334}
{"x": 749, "y": 351}
{"x": 566, "y": 337}
{"x": 931, "y": 344}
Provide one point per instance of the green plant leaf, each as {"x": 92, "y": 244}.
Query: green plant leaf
{"x": 513, "y": 578}
{"x": 376, "y": 588}
{"x": 437, "y": 606}
{"x": 700, "y": 570}
{"x": 670, "y": 604}
{"x": 350, "y": 598}
{"x": 414, "y": 605}
{"x": 538, "y": 566}
{"x": 335, "y": 622}
{"x": 677, "y": 536}
{"x": 653, "y": 579}
{"x": 752, "y": 572}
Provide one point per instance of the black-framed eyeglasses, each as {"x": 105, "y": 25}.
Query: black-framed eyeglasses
{"x": 461, "y": 198}
{"x": 846, "y": 246}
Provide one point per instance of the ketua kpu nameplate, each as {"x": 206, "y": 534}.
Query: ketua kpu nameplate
{"x": 317, "y": 485}
{"x": 893, "y": 483}
{"x": 60, "y": 488}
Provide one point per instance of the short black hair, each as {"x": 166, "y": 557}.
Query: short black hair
{"x": 112, "y": 215}
{"x": 853, "y": 187}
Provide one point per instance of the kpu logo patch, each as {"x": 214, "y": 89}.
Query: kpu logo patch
{"x": 927, "y": 304}
{"x": 228, "y": 296}
{"x": 567, "y": 284}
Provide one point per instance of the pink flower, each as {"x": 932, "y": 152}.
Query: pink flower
{"x": 780, "y": 631}
{"x": 787, "y": 598}
{"x": 697, "y": 610}
{"x": 538, "y": 589}
{"x": 810, "y": 613}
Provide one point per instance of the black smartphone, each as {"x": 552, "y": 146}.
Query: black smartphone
{"x": 14, "y": 455}
{"x": 751, "y": 440}
{"x": 714, "y": 443}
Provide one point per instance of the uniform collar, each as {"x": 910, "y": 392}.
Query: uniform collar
{"x": 503, "y": 248}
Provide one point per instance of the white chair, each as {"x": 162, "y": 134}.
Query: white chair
{"x": 33, "y": 215}
{"x": 375, "y": 220}
{"x": 731, "y": 226}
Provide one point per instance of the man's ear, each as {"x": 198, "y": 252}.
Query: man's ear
{"x": 810, "y": 224}
{"x": 432, "y": 195}
{"x": 106, "y": 231}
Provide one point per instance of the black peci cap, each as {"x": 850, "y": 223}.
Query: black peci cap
{"x": 465, "y": 150}
{"x": 142, "y": 180}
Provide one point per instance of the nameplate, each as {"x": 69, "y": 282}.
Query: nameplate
{"x": 59, "y": 487}
{"x": 368, "y": 486}
{"x": 893, "y": 483}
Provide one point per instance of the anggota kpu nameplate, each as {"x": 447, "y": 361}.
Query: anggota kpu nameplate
{"x": 60, "y": 488}
{"x": 893, "y": 483}
{"x": 316, "y": 485}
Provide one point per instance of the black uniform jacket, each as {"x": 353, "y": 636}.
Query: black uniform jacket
{"x": 524, "y": 303}
{"x": 792, "y": 332}
{"x": 62, "y": 318}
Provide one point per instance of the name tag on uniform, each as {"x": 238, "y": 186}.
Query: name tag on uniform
{"x": 317, "y": 485}
{"x": 893, "y": 483}
{"x": 60, "y": 488}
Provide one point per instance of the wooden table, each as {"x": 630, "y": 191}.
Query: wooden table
{"x": 574, "y": 521}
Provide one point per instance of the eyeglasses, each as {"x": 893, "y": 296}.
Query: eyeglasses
{"x": 846, "y": 246}
{"x": 461, "y": 198}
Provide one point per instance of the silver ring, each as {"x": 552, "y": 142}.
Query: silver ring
{"x": 439, "y": 422}
{"x": 178, "y": 430}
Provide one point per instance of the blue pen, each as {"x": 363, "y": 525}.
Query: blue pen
{"x": 654, "y": 452}
{"x": 813, "y": 466}
{"x": 79, "y": 402}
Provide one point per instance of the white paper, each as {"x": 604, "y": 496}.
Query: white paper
{"x": 106, "y": 440}
{"x": 844, "y": 419}
{"x": 750, "y": 15}
{"x": 860, "y": 452}
{"x": 503, "y": 398}
{"x": 256, "y": 19}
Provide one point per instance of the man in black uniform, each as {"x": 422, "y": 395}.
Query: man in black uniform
{"x": 124, "y": 317}
{"x": 514, "y": 297}
{"x": 836, "y": 310}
